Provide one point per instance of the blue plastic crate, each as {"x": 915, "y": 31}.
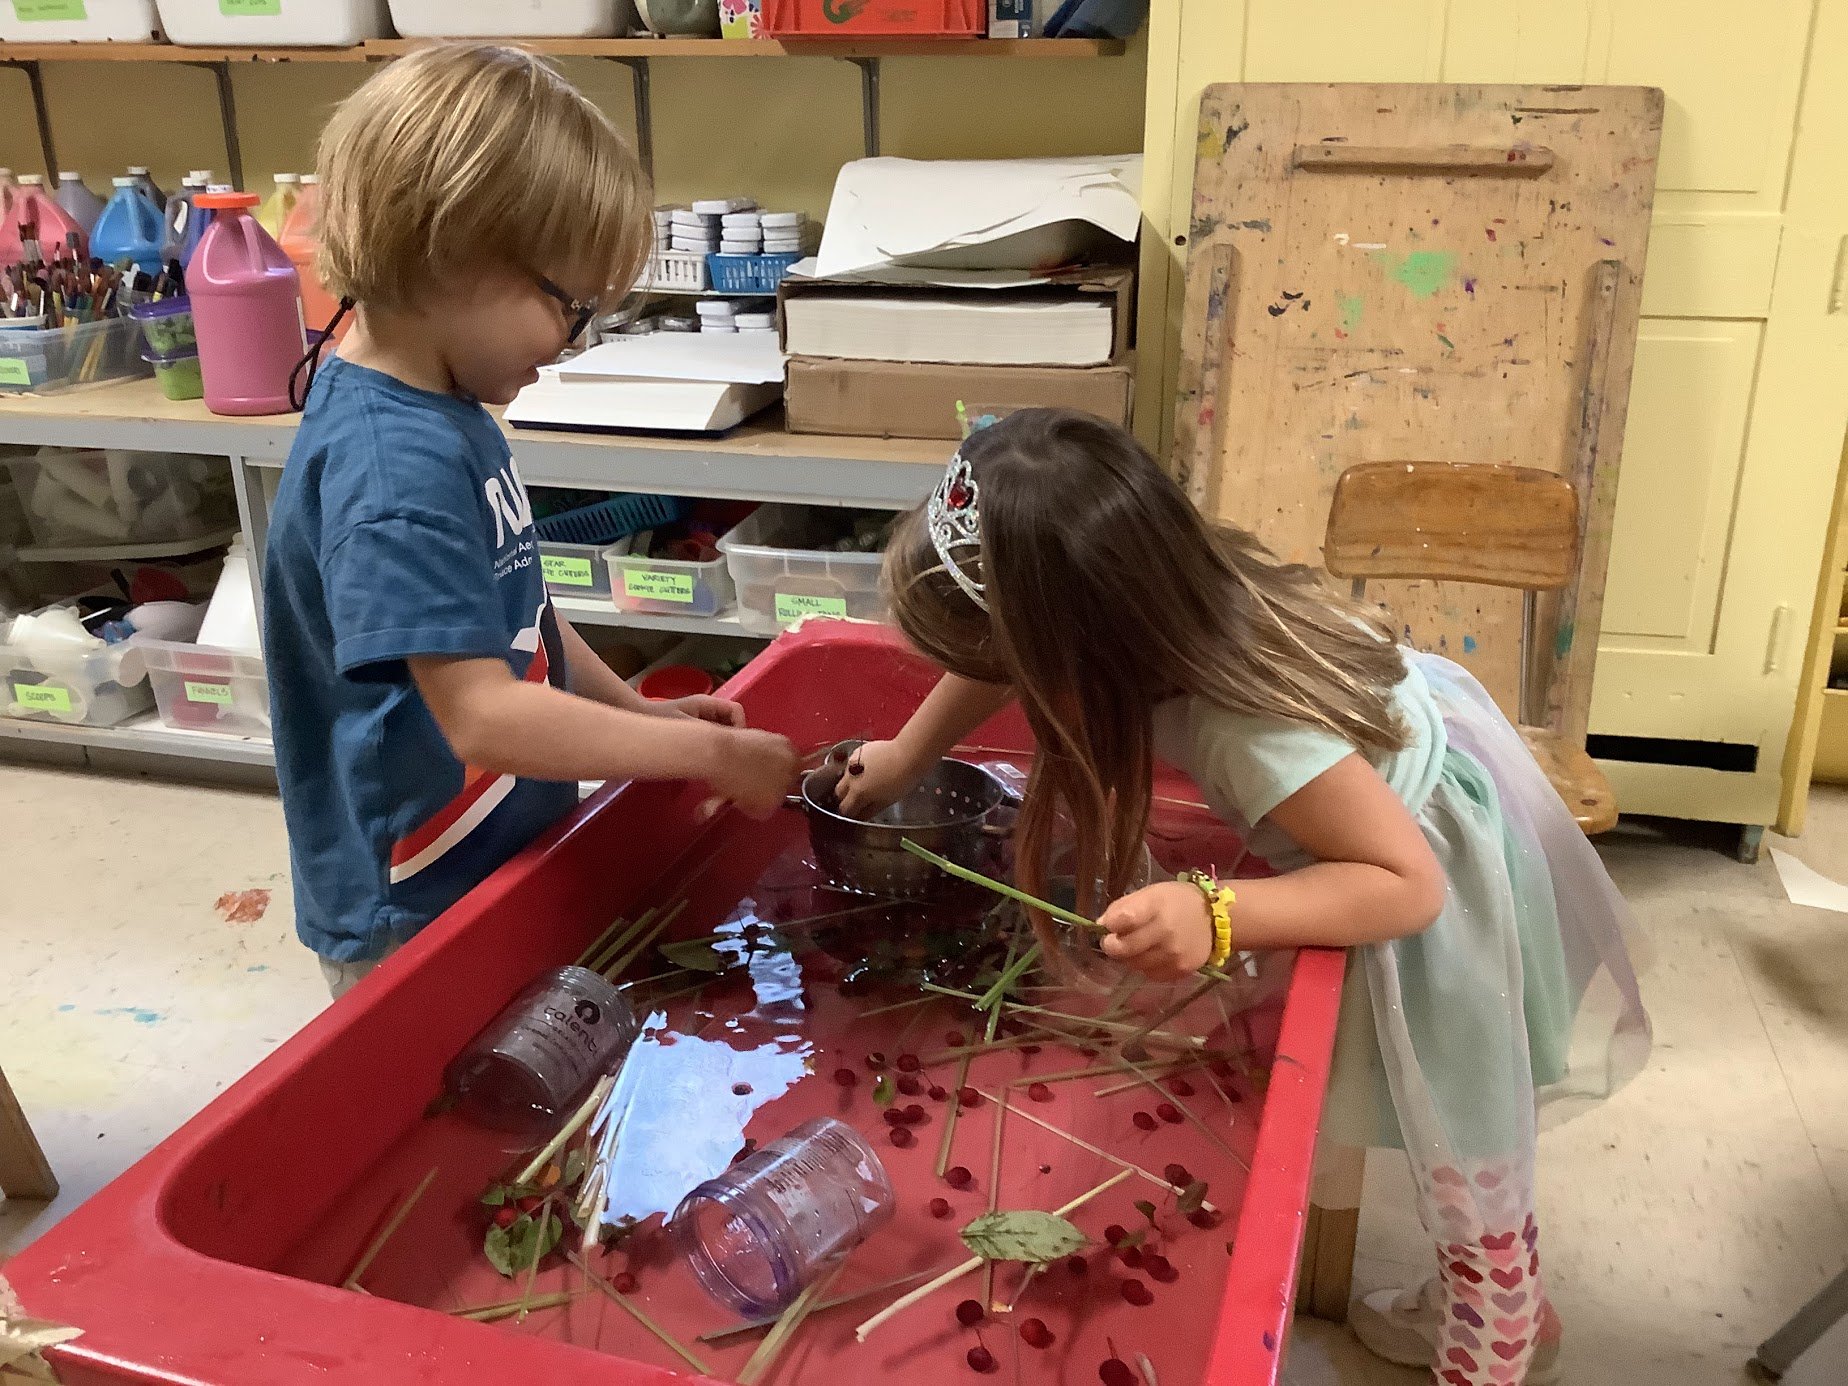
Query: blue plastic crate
{"x": 612, "y": 519}
{"x": 748, "y": 274}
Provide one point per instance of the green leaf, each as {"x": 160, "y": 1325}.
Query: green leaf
{"x": 1029, "y": 1235}
{"x": 697, "y": 955}
{"x": 883, "y": 1092}
{"x": 1147, "y": 1209}
{"x": 1192, "y": 1197}
{"x": 574, "y": 1167}
{"x": 495, "y": 1196}
{"x": 499, "y": 1248}
{"x": 511, "y": 1250}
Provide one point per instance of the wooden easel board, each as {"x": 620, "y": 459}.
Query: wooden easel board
{"x": 1417, "y": 272}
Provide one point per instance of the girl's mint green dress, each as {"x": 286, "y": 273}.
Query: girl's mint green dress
{"x": 1520, "y": 996}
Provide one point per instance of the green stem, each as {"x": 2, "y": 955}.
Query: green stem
{"x": 990, "y": 883}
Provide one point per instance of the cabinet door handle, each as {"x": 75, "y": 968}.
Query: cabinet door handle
{"x": 1838, "y": 284}
{"x": 1780, "y": 637}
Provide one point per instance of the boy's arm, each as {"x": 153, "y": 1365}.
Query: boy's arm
{"x": 498, "y": 723}
{"x": 592, "y": 678}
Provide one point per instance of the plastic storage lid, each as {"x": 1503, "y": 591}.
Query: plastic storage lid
{"x": 216, "y": 200}
{"x": 168, "y": 358}
{"x": 200, "y": 175}
{"x": 161, "y": 307}
{"x": 71, "y": 174}
{"x": 309, "y": 178}
{"x": 288, "y": 178}
{"x": 125, "y": 182}
{"x": 31, "y": 180}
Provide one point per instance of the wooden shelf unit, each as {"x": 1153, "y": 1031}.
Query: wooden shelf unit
{"x": 380, "y": 49}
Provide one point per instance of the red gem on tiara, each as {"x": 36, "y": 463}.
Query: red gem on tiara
{"x": 958, "y": 496}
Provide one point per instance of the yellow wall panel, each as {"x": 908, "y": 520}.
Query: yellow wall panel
{"x": 1711, "y": 264}
{"x": 1342, "y": 41}
{"x": 1517, "y": 40}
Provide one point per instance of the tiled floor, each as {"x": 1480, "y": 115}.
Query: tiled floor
{"x": 1683, "y": 1221}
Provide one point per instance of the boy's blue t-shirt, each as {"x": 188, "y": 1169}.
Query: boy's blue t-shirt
{"x": 401, "y": 528}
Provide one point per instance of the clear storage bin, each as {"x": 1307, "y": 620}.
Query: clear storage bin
{"x": 782, "y": 577}
{"x": 669, "y": 586}
{"x": 49, "y": 359}
{"x": 279, "y": 24}
{"x": 81, "y": 688}
{"x": 113, "y": 498}
{"x": 94, "y": 21}
{"x": 577, "y": 570}
{"x": 198, "y": 688}
{"x": 518, "y": 19}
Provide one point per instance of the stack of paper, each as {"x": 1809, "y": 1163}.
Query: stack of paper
{"x": 668, "y": 382}
{"x": 968, "y": 329}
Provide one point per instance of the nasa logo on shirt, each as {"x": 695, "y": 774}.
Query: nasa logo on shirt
{"x": 508, "y": 503}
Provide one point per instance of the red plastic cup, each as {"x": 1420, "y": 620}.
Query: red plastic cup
{"x": 672, "y": 681}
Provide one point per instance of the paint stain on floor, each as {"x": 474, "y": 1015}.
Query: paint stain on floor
{"x": 243, "y": 906}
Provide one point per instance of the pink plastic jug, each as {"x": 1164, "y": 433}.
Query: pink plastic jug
{"x": 31, "y": 206}
{"x": 246, "y": 310}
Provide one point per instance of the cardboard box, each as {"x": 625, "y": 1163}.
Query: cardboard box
{"x": 889, "y": 399}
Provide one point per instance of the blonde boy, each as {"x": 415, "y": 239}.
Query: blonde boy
{"x": 433, "y": 712}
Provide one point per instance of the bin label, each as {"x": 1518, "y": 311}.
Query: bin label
{"x": 13, "y": 371}
{"x": 566, "y": 571}
{"x": 793, "y": 606}
{"x": 242, "y": 7}
{"x": 218, "y": 694}
{"x": 38, "y": 11}
{"x": 657, "y": 587}
{"x": 42, "y": 697}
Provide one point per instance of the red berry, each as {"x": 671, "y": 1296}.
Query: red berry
{"x": 506, "y": 1217}
{"x": 1039, "y": 1092}
{"x": 1145, "y": 1121}
{"x": 981, "y": 1360}
{"x": 1205, "y": 1218}
{"x": 1168, "y": 1112}
{"x": 916, "y": 1115}
{"x": 969, "y": 1313}
{"x": 1115, "y": 1233}
{"x": 741, "y": 1089}
{"x": 1177, "y": 1175}
{"x": 1027, "y": 1051}
{"x": 1077, "y": 1265}
{"x": 1160, "y": 1269}
{"x": 910, "y": 1084}
{"x": 1035, "y": 1334}
{"x": 623, "y": 1283}
{"x": 1137, "y": 1293}
{"x": 939, "y": 1207}
{"x": 958, "y": 1177}
{"x": 530, "y": 1204}
{"x": 875, "y": 1061}
{"x": 969, "y": 1097}
{"x": 894, "y": 1116}
{"x": 901, "y": 1137}
{"x": 846, "y": 1077}
{"x": 956, "y": 1039}
{"x": 1180, "y": 1087}
{"x": 907, "y": 1063}
{"x": 1131, "y": 1256}
{"x": 938, "y": 1094}
{"x": 1114, "y": 1371}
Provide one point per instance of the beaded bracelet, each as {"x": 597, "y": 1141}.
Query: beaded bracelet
{"x": 1219, "y": 902}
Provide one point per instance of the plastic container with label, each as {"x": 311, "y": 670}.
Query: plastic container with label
{"x": 110, "y": 496}
{"x": 670, "y": 587}
{"x": 96, "y": 687}
{"x": 519, "y": 19}
{"x": 820, "y": 19}
{"x": 247, "y": 310}
{"x": 167, "y": 323}
{"x": 577, "y": 570}
{"x": 78, "y": 21}
{"x": 48, "y": 359}
{"x": 539, "y": 1058}
{"x": 198, "y": 688}
{"x": 274, "y": 23}
{"x": 781, "y": 577}
{"x": 130, "y": 228}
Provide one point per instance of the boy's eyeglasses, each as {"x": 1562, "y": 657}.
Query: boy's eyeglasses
{"x": 579, "y": 310}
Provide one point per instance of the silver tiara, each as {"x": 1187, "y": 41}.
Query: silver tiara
{"x": 956, "y": 524}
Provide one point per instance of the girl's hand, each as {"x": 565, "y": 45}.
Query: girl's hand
{"x": 1164, "y": 931}
{"x": 886, "y": 774}
{"x": 701, "y": 707}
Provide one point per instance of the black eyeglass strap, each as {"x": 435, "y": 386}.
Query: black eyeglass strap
{"x": 312, "y": 361}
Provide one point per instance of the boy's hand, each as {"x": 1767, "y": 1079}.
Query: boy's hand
{"x": 757, "y": 769}
{"x": 702, "y": 707}
{"x": 1164, "y": 931}
{"x": 877, "y": 775}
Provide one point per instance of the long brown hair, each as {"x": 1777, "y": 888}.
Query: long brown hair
{"x": 1107, "y": 594}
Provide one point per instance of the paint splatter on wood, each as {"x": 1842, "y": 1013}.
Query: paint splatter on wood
{"x": 242, "y": 906}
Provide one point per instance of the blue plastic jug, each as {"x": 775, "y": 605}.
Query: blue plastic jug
{"x": 186, "y": 221}
{"x": 131, "y": 228}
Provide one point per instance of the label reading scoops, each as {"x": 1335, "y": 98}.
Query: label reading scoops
{"x": 218, "y": 694}
{"x": 566, "y": 571}
{"x": 250, "y": 6}
{"x": 42, "y": 697}
{"x": 13, "y": 371}
{"x": 793, "y": 606}
{"x": 658, "y": 587}
{"x": 37, "y": 11}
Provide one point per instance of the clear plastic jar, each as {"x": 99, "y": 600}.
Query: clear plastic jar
{"x": 539, "y": 1058}
{"x": 760, "y": 1233}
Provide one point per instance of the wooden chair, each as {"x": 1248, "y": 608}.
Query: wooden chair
{"x": 1515, "y": 527}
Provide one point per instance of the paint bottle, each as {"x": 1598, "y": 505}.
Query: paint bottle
{"x": 246, "y": 310}
{"x": 276, "y": 208}
{"x": 538, "y": 1059}
{"x": 768, "y": 1227}
{"x": 33, "y": 208}
{"x": 130, "y": 229}
{"x": 301, "y": 239}
{"x": 75, "y": 197}
{"x": 139, "y": 172}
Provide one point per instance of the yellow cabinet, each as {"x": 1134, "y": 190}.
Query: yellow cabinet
{"x": 1740, "y": 394}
